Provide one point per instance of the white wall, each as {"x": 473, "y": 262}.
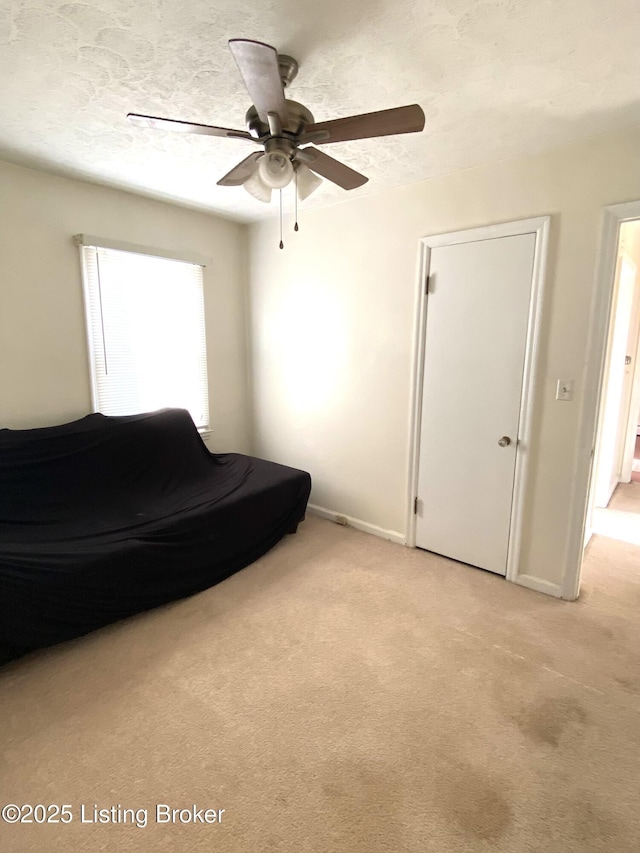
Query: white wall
{"x": 332, "y": 319}
{"x": 44, "y": 373}
{"x": 630, "y": 242}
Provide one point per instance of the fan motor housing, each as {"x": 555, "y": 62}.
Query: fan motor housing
{"x": 298, "y": 118}
{"x": 288, "y": 68}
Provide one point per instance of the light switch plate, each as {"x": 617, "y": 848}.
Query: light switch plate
{"x": 564, "y": 390}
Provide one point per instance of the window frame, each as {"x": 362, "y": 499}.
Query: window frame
{"x": 83, "y": 241}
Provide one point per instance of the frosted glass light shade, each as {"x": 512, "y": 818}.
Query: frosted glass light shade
{"x": 307, "y": 181}
{"x": 275, "y": 169}
{"x": 256, "y": 187}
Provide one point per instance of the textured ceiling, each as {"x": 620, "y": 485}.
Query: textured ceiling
{"x": 495, "y": 79}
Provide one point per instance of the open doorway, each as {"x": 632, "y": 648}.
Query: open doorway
{"x": 614, "y": 500}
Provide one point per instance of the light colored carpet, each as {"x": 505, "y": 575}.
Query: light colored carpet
{"x": 626, "y": 498}
{"x": 621, "y": 519}
{"x": 343, "y": 694}
{"x": 635, "y": 465}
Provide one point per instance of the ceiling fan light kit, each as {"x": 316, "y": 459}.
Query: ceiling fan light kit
{"x": 306, "y": 181}
{"x": 286, "y": 130}
{"x": 256, "y": 187}
{"x": 276, "y": 169}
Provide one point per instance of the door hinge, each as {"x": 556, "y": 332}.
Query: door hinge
{"x": 426, "y": 285}
{"x": 415, "y": 506}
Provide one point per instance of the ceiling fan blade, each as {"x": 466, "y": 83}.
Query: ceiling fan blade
{"x": 258, "y": 64}
{"x": 332, "y": 170}
{"x": 239, "y": 174}
{"x": 408, "y": 119}
{"x": 187, "y": 127}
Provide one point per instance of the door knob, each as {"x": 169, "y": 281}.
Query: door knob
{"x": 505, "y": 441}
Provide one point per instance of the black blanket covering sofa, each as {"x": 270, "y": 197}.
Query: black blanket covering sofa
{"x": 108, "y": 516}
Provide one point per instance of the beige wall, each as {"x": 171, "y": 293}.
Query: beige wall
{"x": 332, "y": 320}
{"x": 44, "y": 374}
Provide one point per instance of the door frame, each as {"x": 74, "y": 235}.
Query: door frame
{"x": 591, "y": 412}
{"x": 600, "y": 496}
{"x": 540, "y": 227}
{"x": 633, "y": 415}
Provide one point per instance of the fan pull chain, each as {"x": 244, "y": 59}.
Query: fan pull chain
{"x": 295, "y": 227}
{"x": 281, "y": 243}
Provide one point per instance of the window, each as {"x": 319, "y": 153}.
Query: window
{"x": 145, "y": 324}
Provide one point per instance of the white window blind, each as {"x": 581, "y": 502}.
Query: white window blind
{"x": 145, "y": 319}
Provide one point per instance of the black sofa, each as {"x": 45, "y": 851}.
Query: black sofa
{"x": 108, "y": 516}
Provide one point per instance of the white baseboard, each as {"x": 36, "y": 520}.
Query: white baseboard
{"x": 357, "y": 523}
{"x": 529, "y": 581}
{"x": 539, "y": 585}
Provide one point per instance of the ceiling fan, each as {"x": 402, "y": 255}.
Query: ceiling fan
{"x": 286, "y": 130}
